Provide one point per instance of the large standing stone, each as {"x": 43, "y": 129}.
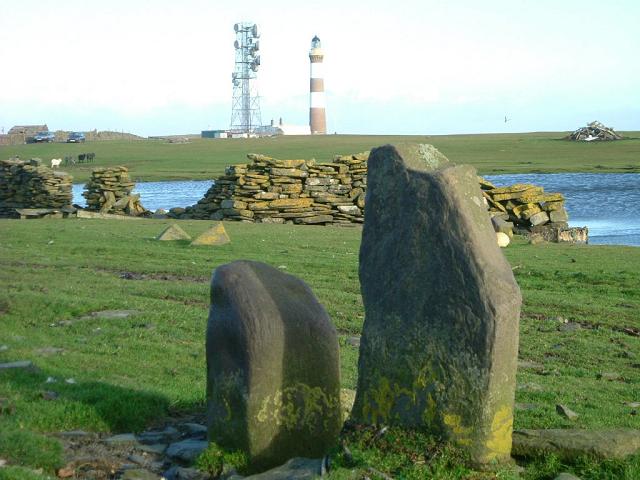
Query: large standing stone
{"x": 440, "y": 339}
{"x": 273, "y": 381}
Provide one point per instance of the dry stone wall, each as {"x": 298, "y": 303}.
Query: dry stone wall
{"x": 31, "y": 185}
{"x": 269, "y": 190}
{"x": 109, "y": 191}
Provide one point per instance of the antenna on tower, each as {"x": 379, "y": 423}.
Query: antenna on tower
{"x": 245, "y": 110}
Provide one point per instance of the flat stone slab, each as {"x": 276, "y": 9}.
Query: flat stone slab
{"x": 122, "y": 439}
{"x": 139, "y": 474}
{"x": 566, "y": 476}
{"x": 17, "y": 364}
{"x": 295, "y": 469}
{"x": 110, "y": 314}
{"x": 571, "y": 443}
{"x": 105, "y": 216}
{"x": 186, "y": 450}
{"x": 195, "y": 428}
{"x": 182, "y": 473}
{"x": 157, "y": 448}
{"x": 46, "y": 351}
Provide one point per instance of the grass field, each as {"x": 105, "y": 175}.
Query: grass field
{"x": 130, "y": 372}
{"x": 151, "y": 160}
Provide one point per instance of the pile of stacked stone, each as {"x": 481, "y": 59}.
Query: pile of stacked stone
{"x": 527, "y": 207}
{"x": 31, "y": 185}
{"x": 109, "y": 191}
{"x": 594, "y": 131}
{"x": 269, "y": 190}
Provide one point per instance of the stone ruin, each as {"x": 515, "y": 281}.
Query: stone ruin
{"x": 30, "y": 189}
{"x": 440, "y": 339}
{"x": 269, "y": 190}
{"x": 109, "y": 191}
{"x": 528, "y": 210}
{"x": 594, "y": 131}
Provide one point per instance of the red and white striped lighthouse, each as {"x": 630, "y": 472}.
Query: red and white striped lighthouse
{"x": 317, "y": 116}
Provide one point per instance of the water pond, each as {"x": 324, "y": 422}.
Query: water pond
{"x": 608, "y": 203}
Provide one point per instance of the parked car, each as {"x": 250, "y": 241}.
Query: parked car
{"x": 76, "y": 137}
{"x": 44, "y": 137}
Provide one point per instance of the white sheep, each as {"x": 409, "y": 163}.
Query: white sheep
{"x": 55, "y": 162}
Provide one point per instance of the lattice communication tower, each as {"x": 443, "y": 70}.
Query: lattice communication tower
{"x": 245, "y": 113}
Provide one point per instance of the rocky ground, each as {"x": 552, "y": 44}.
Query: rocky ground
{"x": 162, "y": 451}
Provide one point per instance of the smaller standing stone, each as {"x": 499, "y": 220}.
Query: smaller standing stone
{"x": 273, "y": 366}
{"x": 215, "y": 235}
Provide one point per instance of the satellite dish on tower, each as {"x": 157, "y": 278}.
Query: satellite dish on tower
{"x": 236, "y": 27}
{"x": 254, "y": 30}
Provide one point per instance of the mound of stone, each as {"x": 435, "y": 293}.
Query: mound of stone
{"x": 31, "y": 185}
{"x": 594, "y": 131}
{"x": 109, "y": 191}
{"x": 216, "y": 235}
{"x": 173, "y": 232}
{"x": 527, "y": 209}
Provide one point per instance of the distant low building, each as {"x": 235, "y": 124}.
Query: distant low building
{"x": 214, "y": 134}
{"x": 27, "y": 130}
{"x": 283, "y": 129}
{"x": 20, "y": 134}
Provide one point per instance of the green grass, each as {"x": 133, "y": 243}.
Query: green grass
{"x": 131, "y": 371}
{"x": 151, "y": 160}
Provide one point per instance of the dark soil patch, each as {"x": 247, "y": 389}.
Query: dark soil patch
{"x": 163, "y": 277}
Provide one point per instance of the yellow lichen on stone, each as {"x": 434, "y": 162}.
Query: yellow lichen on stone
{"x": 215, "y": 235}
{"x": 499, "y": 444}
{"x": 283, "y": 408}
{"x": 459, "y": 433}
{"x": 384, "y": 397}
{"x": 430, "y": 412}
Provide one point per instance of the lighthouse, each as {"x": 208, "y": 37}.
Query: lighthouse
{"x": 317, "y": 116}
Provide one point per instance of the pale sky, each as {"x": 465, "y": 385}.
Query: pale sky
{"x": 404, "y": 67}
